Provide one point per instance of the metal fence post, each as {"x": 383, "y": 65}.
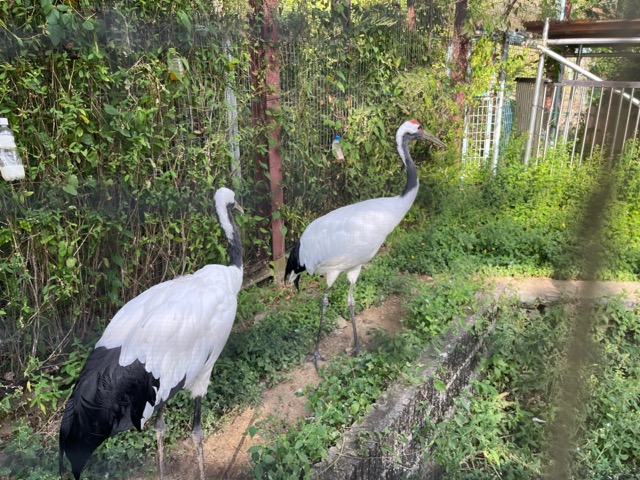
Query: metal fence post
{"x": 265, "y": 111}
{"x": 536, "y": 96}
{"x": 498, "y": 128}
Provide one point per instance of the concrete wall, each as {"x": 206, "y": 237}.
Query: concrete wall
{"x": 391, "y": 441}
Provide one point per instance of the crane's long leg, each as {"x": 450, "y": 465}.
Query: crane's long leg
{"x": 197, "y": 435}
{"x": 352, "y": 305}
{"x": 160, "y": 428}
{"x": 316, "y": 352}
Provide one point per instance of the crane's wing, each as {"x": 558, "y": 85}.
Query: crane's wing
{"x": 348, "y": 236}
{"x": 178, "y": 328}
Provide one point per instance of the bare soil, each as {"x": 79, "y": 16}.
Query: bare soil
{"x": 548, "y": 289}
{"x": 225, "y": 450}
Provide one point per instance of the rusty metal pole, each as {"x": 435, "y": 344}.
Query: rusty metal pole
{"x": 265, "y": 107}
{"x": 272, "y": 83}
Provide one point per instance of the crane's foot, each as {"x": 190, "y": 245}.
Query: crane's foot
{"x": 314, "y": 357}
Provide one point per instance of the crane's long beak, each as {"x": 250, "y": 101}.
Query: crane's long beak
{"x": 426, "y": 135}
{"x": 237, "y": 207}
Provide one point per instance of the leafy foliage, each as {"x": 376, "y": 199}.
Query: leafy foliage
{"x": 501, "y": 427}
{"x": 522, "y": 220}
{"x": 122, "y": 162}
{"x": 350, "y": 386}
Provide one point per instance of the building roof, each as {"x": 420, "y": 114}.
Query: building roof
{"x": 618, "y": 28}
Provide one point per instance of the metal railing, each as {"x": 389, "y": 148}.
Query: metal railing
{"x": 587, "y": 117}
{"x": 557, "y": 104}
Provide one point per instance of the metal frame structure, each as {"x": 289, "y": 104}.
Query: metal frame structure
{"x": 625, "y": 29}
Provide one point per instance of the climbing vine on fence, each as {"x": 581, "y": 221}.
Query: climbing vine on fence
{"x": 122, "y": 162}
{"x": 123, "y": 153}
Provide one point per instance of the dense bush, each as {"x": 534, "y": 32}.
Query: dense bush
{"x": 123, "y": 157}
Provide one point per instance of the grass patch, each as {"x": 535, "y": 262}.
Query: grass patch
{"x": 275, "y": 329}
{"x": 466, "y": 223}
{"x": 522, "y": 221}
{"x": 500, "y": 428}
{"x": 350, "y": 386}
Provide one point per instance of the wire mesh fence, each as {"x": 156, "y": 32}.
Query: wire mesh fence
{"x": 483, "y": 140}
{"x": 332, "y": 76}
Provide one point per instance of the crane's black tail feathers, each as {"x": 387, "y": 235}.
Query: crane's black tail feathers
{"x": 294, "y": 269}
{"x": 108, "y": 398}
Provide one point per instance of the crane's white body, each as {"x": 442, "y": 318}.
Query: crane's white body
{"x": 346, "y": 238}
{"x": 165, "y": 339}
{"x": 177, "y": 329}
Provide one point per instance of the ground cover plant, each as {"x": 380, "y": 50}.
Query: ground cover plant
{"x": 522, "y": 220}
{"x": 500, "y": 428}
{"x": 274, "y": 331}
{"x": 517, "y": 221}
{"x": 350, "y": 386}
{"x": 447, "y": 233}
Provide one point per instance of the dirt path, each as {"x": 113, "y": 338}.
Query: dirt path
{"x": 225, "y": 450}
{"x": 531, "y": 289}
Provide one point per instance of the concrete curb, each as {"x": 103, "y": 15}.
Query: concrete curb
{"x": 390, "y": 441}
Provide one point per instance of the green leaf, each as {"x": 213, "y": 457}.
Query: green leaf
{"x": 70, "y": 189}
{"x": 87, "y": 139}
{"x": 46, "y": 6}
{"x": 184, "y": 20}
{"x": 439, "y": 385}
{"x": 55, "y": 33}
{"x": 72, "y": 185}
{"x": 110, "y": 109}
{"x": 88, "y": 25}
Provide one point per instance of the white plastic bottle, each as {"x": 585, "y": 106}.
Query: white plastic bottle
{"x": 337, "y": 149}
{"x": 11, "y": 166}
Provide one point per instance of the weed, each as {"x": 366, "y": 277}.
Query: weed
{"x": 500, "y": 428}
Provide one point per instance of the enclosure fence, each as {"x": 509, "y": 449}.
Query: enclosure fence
{"x": 483, "y": 141}
{"x": 586, "y": 117}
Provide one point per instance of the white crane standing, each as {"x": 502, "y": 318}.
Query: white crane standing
{"x": 162, "y": 341}
{"x": 345, "y": 239}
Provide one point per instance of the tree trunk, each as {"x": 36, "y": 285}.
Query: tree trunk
{"x": 411, "y": 15}
{"x": 460, "y": 51}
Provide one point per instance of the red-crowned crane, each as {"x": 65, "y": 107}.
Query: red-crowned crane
{"x": 345, "y": 239}
{"x": 165, "y": 339}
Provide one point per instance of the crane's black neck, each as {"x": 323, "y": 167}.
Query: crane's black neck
{"x": 412, "y": 173}
{"x": 234, "y": 241}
